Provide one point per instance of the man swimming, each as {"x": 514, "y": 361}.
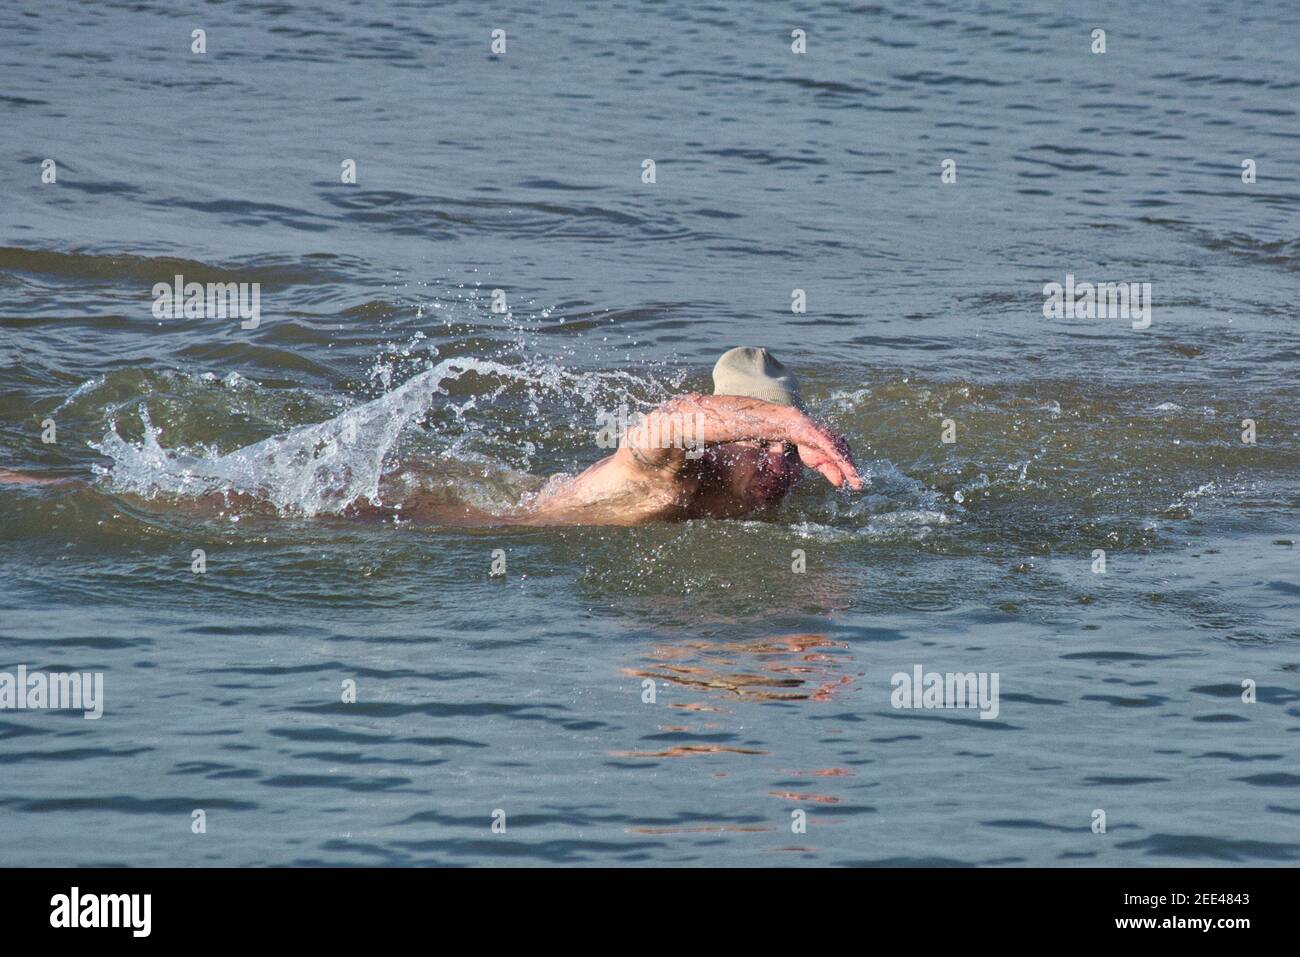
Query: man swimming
{"x": 750, "y": 443}
{"x": 747, "y": 446}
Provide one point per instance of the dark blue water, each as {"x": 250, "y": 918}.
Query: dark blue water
{"x": 1119, "y": 691}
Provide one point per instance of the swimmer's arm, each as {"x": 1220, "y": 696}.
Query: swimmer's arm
{"x": 698, "y": 420}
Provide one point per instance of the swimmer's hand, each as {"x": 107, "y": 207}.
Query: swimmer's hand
{"x": 822, "y": 450}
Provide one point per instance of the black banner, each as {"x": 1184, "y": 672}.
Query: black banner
{"x": 330, "y": 906}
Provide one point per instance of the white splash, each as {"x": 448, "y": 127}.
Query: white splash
{"x": 314, "y": 469}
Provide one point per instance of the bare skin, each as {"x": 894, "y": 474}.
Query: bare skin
{"x": 754, "y": 452}
{"x": 750, "y": 454}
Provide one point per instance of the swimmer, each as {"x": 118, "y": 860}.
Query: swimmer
{"x": 749, "y": 444}
{"x": 736, "y": 452}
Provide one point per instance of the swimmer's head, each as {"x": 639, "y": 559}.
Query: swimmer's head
{"x": 756, "y": 473}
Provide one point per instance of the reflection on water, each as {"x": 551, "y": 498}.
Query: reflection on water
{"x": 802, "y": 667}
{"x": 788, "y": 668}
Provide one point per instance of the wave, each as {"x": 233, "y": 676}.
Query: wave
{"x": 83, "y": 265}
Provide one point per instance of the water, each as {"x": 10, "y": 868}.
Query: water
{"x": 1119, "y": 691}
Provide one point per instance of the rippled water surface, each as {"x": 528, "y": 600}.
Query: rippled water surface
{"x": 525, "y": 693}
